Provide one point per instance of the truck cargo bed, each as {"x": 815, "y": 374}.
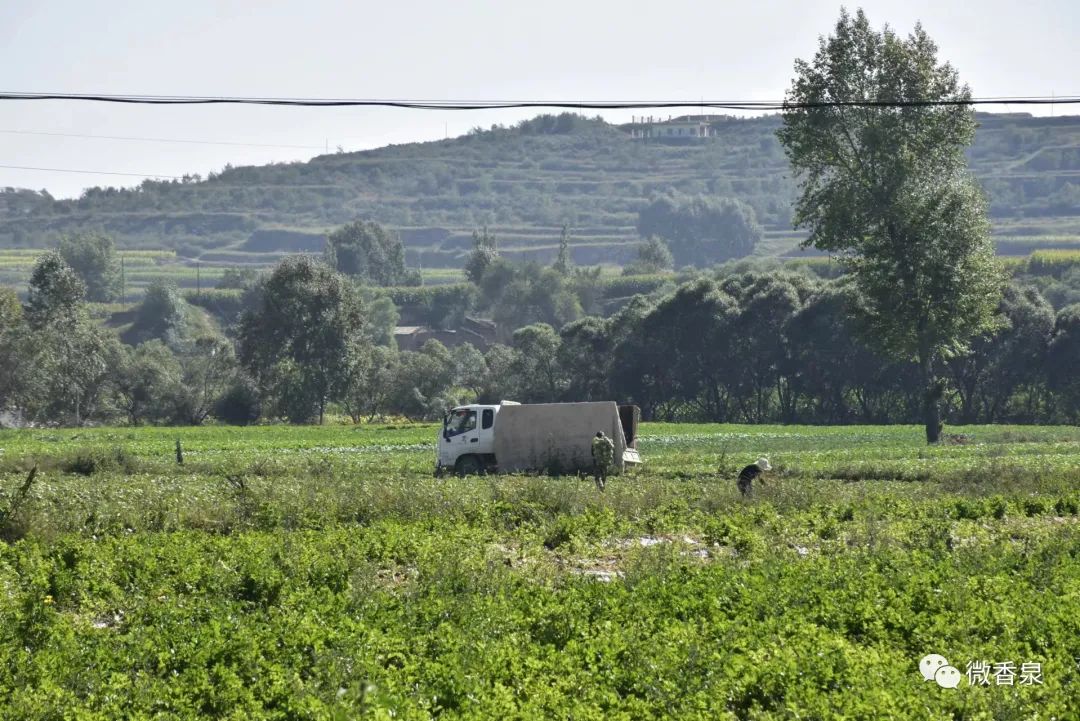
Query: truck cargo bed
{"x": 555, "y": 437}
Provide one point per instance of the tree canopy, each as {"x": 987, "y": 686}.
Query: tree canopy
{"x": 485, "y": 252}
{"x": 55, "y": 293}
{"x": 299, "y": 337}
{"x": 94, "y": 259}
{"x": 701, "y": 230}
{"x": 160, "y": 315}
{"x": 888, "y": 190}
{"x": 367, "y": 250}
{"x": 654, "y": 256}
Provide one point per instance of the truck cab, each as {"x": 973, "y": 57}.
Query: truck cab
{"x": 467, "y": 440}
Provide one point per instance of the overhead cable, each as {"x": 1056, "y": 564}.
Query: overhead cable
{"x": 161, "y": 140}
{"x": 508, "y": 104}
{"x": 92, "y": 172}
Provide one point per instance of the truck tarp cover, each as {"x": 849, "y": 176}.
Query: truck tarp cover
{"x": 555, "y": 436}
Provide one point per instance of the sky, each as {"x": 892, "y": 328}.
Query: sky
{"x": 467, "y": 49}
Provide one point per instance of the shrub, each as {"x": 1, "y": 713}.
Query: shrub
{"x": 224, "y": 304}
{"x": 240, "y": 405}
{"x": 88, "y": 461}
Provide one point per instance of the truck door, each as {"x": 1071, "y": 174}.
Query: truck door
{"x": 485, "y": 444}
{"x": 460, "y": 436}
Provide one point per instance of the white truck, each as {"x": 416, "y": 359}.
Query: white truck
{"x": 552, "y": 438}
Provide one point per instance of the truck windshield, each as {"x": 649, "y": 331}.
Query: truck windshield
{"x": 460, "y": 421}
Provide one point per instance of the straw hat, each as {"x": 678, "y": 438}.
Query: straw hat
{"x": 763, "y": 464}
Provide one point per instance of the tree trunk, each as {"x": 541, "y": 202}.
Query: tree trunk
{"x": 932, "y": 392}
{"x": 967, "y": 405}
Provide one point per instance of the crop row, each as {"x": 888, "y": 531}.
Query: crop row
{"x": 299, "y": 572}
{"x": 417, "y": 619}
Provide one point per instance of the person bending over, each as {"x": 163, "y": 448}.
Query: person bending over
{"x": 752, "y": 472}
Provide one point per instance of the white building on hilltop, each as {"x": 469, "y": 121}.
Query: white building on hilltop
{"x": 686, "y": 127}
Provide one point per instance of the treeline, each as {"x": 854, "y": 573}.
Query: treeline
{"x": 788, "y": 348}
{"x": 750, "y": 346}
{"x": 781, "y": 347}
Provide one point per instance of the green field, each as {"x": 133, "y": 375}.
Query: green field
{"x": 298, "y": 572}
{"x": 142, "y": 267}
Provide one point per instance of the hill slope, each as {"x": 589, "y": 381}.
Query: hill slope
{"x": 524, "y": 183}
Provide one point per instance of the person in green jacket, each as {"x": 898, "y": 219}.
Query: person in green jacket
{"x": 603, "y": 456}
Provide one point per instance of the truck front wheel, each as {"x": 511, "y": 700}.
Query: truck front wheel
{"x": 469, "y": 466}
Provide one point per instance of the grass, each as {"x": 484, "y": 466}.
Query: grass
{"x": 24, "y": 258}
{"x": 297, "y": 572}
{"x": 439, "y": 276}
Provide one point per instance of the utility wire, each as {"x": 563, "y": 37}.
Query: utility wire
{"x": 92, "y": 172}
{"x": 162, "y": 140}
{"x": 506, "y": 104}
{"x": 465, "y": 105}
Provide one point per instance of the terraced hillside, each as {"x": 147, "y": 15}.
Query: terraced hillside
{"x": 524, "y": 183}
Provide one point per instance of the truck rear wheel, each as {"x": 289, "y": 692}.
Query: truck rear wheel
{"x": 469, "y": 466}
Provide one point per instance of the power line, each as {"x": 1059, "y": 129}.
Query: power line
{"x": 162, "y": 140}
{"x": 92, "y": 172}
{"x": 507, "y": 104}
